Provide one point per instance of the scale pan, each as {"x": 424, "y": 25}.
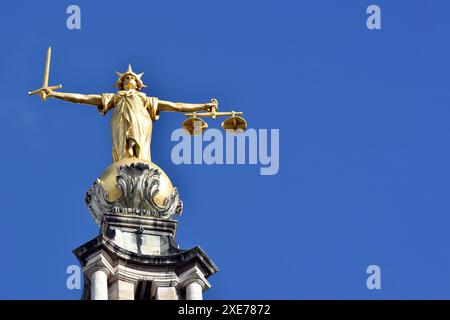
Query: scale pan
{"x": 194, "y": 125}
{"x": 234, "y": 123}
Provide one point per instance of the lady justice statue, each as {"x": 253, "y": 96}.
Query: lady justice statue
{"x": 133, "y": 113}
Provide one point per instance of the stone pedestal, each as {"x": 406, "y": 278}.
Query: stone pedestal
{"x": 135, "y": 255}
{"x": 138, "y": 258}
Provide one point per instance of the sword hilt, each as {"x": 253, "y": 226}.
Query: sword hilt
{"x": 44, "y": 95}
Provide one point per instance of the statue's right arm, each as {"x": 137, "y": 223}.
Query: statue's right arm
{"x": 91, "y": 99}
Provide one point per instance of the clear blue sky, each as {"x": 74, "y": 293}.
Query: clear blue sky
{"x": 364, "y": 119}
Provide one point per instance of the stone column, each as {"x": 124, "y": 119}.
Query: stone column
{"x": 99, "y": 284}
{"x": 194, "y": 291}
{"x": 98, "y": 269}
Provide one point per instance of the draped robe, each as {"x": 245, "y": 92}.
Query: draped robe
{"x": 132, "y": 120}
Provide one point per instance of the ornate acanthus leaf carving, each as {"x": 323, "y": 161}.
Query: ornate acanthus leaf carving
{"x": 139, "y": 185}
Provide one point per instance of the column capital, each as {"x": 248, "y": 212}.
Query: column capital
{"x": 195, "y": 280}
{"x": 98, "y": 261}
{"x": 194, "y": 274}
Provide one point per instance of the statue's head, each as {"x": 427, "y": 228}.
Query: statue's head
{"x": 129, "y": 80}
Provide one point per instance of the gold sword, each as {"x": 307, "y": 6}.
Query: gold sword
{"x": 41, "y": 90}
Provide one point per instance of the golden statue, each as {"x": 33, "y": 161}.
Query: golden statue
{"x": 134, "y": 112}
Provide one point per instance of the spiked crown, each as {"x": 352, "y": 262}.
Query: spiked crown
{"x": 137, "y": 76}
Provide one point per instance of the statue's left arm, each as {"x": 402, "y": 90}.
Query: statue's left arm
{"x": 185, "y": 107}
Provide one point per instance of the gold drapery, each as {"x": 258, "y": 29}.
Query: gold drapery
{"x": 131, "y": 121}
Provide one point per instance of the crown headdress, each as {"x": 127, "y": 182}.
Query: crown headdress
{"x": 119, "y": 83}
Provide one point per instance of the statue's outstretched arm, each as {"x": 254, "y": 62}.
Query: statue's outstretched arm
{"x": 185, "y": 107}
{"x": 91, "y": 99}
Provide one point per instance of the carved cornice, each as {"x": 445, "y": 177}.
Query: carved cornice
{"x": 178, "y": 262}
